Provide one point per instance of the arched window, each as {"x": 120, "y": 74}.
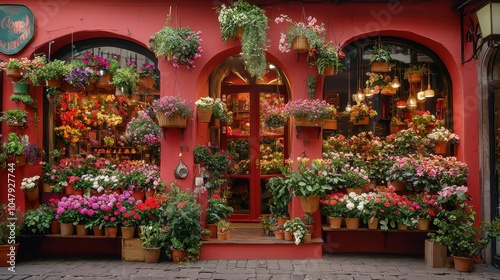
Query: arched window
{"x": 340, "y": 89}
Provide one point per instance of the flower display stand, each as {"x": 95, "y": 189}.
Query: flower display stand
{"x": 300, "y": 44}
{"x": 435, "y": 254}
{"x": 204, "y": 116}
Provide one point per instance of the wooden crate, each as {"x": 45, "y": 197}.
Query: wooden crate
{"x": 132, "y": 250}
{"x": 435, "y": 254}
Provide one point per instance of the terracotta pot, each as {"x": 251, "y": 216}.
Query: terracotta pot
{"x": 352, "y": 223}
{"x": 97, "y": 231}
{"x": 307, "y": 238}
{"x": 330, "y": 124}
{"x": 149, "y": 193}
{"x": 310, "y": 204}
{"x": 152, "y": 255}
{"x": 213, "y": 229}
{"x": 310, "y": 228}
{"x": 5, "y": 251}
{"x": 335, "y": 222}
{"x": 373, "y": 223}
{"x": 205, "y": 237}
{"x": 32, "y": 194}
{"x": 113, "y": 231}
{"x": 329, "y": 71}
{"x": 441, "y": 148}
{"x": 399, "y": 186}
{"x": 138, "y": 195}
{"x": 69, "y": 190}
{"x": 414, "y": 78}
{"x": 354, "y": 190}
{"x": 423, "y": 224}
{"x": 178, "y": 256}
{"x": 18, "y": 160}
{"x": 55, "y": 227}
{"x": 204, "y": 116}
{"x": 47, "y": 187}
{"x": 463, "y": 264}
{"x": 380, "y": 67}
{"x": 288, "y": 236}
{"x": 402, "y": 227}
{"x": 67, "y": 229}
{"x": 104, "y": 81}
{"x": 53, "y": 83}
{"x": 81, "y": 230}
{"x": 281, "y": 220}
{"x": 128, "y": 232}
{"x": 146, "y": 82}
{"x": 363, "y": 121}
{"x": 279, "y": 234}
{"x": 78, "y": 192}
{"x": 221, "y": 235}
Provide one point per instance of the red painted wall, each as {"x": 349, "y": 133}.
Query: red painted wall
{"x": 433, "y": 24}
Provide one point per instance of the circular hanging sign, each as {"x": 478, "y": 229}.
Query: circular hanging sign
{"x": 17, "y": 26}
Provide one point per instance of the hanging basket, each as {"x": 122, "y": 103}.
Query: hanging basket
{"x": 414, "y": 78}
{"x": 18, "y": 160}
{"x": 204, "y": 116}
{"x": 363, "y": 121}
{"x": 15, "y": 124}
{"x": 175, "y": 121}
{"x": 330, "y": 124}
{"x": 329, "y": 71}
{"x": 396, "y": 128}
{"x": 20, "y": 88}
{"x": 388, "y": 90}
{"x": 32, "y": 194}
{"x": 300, "y": 44}
{"x": 380, "y": 67}
{"x": 53, "y": 83}
{"x": 146, "y": 82}
{"x": 303, "y": 121}
{"x": 104, "y": 81}
{"x": 13, "y": 72}
{"x": 441, "y": 148}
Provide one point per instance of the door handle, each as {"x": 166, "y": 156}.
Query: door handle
{"x": 257, "y": 163}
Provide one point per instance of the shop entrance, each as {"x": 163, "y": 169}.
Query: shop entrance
{"x": 258, "y": 147}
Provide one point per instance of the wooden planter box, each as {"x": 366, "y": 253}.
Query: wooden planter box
{"x": 435, "y": 254}
{"x": 132, "y": 250}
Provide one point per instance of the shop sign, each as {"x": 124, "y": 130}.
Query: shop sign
{"x": 17, "y": 26}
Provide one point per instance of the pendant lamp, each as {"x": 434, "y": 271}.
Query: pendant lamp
{"x": 429, "y": 92}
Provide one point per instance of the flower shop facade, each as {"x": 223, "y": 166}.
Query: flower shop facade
{"x": 249, "y": 89}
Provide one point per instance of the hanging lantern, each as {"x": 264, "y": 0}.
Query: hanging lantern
{"x": 348, "y": 108}
{"x": 411, "y": 102}
{"x": 395, "y": 83}
{"x": 429, "y": 92}
{"x": 421, "y": 96}
{"x": 401, "y": 104}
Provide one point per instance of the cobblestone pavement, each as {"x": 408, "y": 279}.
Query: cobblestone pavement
{"x": 337, "y": 266}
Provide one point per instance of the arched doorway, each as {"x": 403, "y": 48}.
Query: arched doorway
{"x": 258, "y": 150}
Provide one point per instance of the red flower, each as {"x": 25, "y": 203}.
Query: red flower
{"x": 181, "y": 204}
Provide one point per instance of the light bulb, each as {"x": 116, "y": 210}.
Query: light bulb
{"x": 421, "y": 95}
{"x": 429, "y": 92}
{"x": 367, "y": 92}
{"x": 411, "y": 102}
{"x": 360, "y": 96}
{"x": 395, "y": 83}
{"x": 348, "y": 108}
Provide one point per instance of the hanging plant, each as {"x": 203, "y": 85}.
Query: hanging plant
{"x": 253, "y": 21}
{"x": 180, "y": 45}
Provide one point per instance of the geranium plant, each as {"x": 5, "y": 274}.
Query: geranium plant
{"x": 360, "y": 112}
{"x": 442, "y": 134}
{"x": 333, "y": 205}
{"x": 273, "y": 116}
{"x": 181, "y": 45}
{"x": 217, "y": 209}
{"x": 253, "y": 22}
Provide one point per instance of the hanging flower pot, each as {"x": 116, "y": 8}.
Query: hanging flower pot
{"x": 146, "y": 82}
{"x": 380, "y": 67}
{"x": 14, "y": 72}
{"x": 414, "y": 78}
{"x": 204, "y": 116}
{"x": 363, "y": 121}
{"x": 310, "y": 204}
{"x": 18, "y": 160}
{"x": 441, "y": 148}
{"x": 304, "y": 121}
{"x": 329, "y": 71}
{"x": 300, "y": 44}
{"x": 104, "y": 81}
{"x": 32, "y": 194}
{"x": 20, "y": 88}
{"x": 53, "y": 83}
{"x": 174, "y": 121}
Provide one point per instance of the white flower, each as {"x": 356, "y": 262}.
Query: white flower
{"x": 350, "y": 205}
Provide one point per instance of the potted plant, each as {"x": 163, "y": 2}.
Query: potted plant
{"x": 14, "y": 66}
{"x": 204, "y": 106}
{"x": 441, "y": 136}
{"x": 32, "y": 153}
{"x": 414, "y": 73}
{"x": 125, "y": 80}
{"x": 217, "y": 164}
{"x": 53, "y": 72}
{"x": 80, "y": 76}
{"x": 310, "y": 181}
{"x": 206, "y": 234}
{"x": 273, "y": 116}
{"x": 354, "y": 209}
{"x": 281, "y": 197}
{"x": 217, "y": 210}
{"x": 9, "y": 233}
{"x": 14, "y": 117}
{"x": 309, "y": 222}
{"x": 333, "y": 207}
{"x": 464, "y": 240}
{"x": 361, "y": 114}
{"x": 423, "y": 122}
{"x": 181, "y": 45}
{"x": 253, "y": 22}
{"x": 308, "y": 112}
{"x": 301, "y": 36}
{"x": 297, "y": 228}
{"x": 30, "y": 186}
{"x": 38, "y": 221}
{"x": 172, "y": 111}
{"x": 220, "y": 112}
{"x": 223, "y": 229}
{"x": 103, "y": 67}
{"x": 147, "y": 74}
{"x": 152, "y": 237}
{"x": 327, "y": 59}
{"x": 380, "y": 59}
{"x": 377, "y": 83}
{"x": 14, "y": 146}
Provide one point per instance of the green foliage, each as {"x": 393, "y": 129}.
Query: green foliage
{"x": 281, "y": 196}
{"x": 380, "y": 53}
{"x": 152, "y": 236}
{"x": 9, "y": 230}
{"x": 38, "y": 221}
{"x": 217, "y": 209}
{"x": 126, "y": 79}
{"x": 14, "y": 116}
{"x": 55, "y": 69}
{"x": 311, "y": 85}
{"x": 311, "y": 179}
{"x": 457, "y": 231}
{"x": 217, "y": 162}
{"x": 419, "y": 69}
{"x": 253, "y": 21}
{"x": 297, "y": 227}
{"x": 14, "y": 145}
{"x": 328, "y": 56}
{"x": 24, "y": 98}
